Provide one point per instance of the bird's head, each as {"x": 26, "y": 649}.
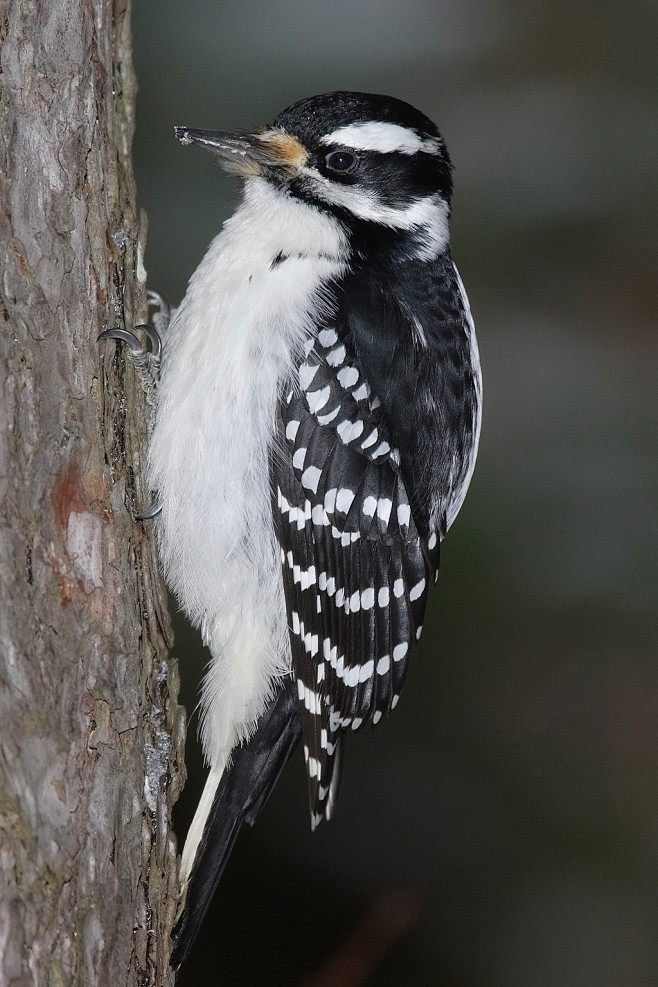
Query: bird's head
{"x": 365, "y": 158}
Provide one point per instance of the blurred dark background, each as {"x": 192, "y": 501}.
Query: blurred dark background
{"x": 502, "y": 827}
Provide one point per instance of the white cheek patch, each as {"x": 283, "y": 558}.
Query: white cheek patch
{"x": 427, "y": 217}
{"x": 383, "y": 137}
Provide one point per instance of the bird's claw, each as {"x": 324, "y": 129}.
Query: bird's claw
{"x": 145, "y": 355}
{"x": 127, "y": 337}
{"x": 150, "y": 513}
{"x": 134, "y": 342}
{"x": 146, "y": 359}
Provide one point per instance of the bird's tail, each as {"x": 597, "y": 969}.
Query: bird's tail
{"x": 229, "y": 800}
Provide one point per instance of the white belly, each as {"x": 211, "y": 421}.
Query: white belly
{"x": 227, "y": 352}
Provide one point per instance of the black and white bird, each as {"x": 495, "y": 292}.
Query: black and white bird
{"x": 317, "y": 424}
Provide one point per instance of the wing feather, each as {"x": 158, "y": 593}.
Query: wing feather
{"x": 355, "y": 568}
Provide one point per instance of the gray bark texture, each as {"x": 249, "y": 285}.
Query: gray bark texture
{"x": 91, "y": 736}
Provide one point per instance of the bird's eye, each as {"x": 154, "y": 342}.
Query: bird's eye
{"x": 342, "y": 161}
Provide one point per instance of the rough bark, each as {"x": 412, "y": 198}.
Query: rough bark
{"x": 90, "y": 732}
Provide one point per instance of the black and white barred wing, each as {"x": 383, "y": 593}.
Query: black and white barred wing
{"x": 356, "y": 571}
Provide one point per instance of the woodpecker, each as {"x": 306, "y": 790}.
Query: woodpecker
{"x": 317, "y": 423}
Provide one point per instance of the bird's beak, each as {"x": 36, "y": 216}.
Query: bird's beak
{"x": 248, "y": 154}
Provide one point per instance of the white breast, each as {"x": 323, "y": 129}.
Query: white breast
{"x": 226, "y": 354}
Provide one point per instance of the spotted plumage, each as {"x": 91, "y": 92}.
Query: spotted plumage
{"x": 316, "y": 431}
{"x": 356, "y": 562}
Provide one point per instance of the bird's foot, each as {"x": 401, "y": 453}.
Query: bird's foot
{"x": 160, "y": 309}
{"x": 146, "y": 358}
{"x": 145, "y": 355}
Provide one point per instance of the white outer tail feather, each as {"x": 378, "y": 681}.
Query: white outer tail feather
{"x": 198, "y": 825}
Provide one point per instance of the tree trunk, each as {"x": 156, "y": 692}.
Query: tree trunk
{"x": 91, "y": 736}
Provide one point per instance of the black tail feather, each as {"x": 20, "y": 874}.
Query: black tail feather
{"x": 241, "y": 794}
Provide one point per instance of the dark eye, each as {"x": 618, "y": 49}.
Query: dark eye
{"x": 340, "y": 161}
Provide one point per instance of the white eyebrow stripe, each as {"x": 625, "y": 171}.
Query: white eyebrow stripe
{"x": 382, "y": 137}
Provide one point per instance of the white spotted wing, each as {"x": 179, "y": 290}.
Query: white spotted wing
{"x": 356, "y": 571}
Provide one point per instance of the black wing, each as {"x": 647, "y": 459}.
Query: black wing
{"x": 356, "y": 568}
